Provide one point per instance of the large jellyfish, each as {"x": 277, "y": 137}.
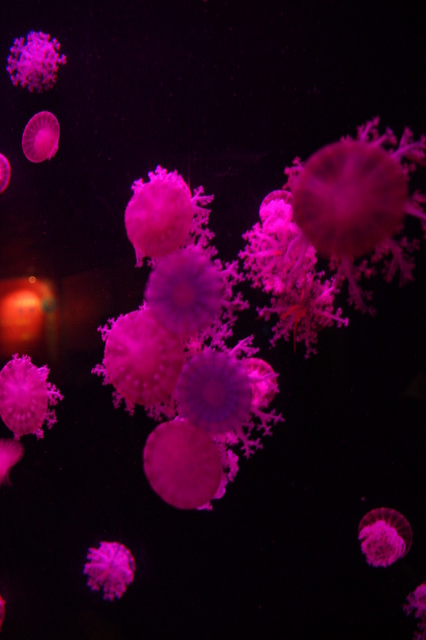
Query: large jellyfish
{"x": 385, "y": 535}
{"x": 26, "y": 397}
{"x": 110, "y": 567}
{"x": 4, "y": 172}
{"x": 11, "y": 452}
{"x": 33, "y": 63}
{"x": 41, "y": 136}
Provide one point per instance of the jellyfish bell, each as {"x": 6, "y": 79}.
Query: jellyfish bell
{"x": 4, "y": 173}
{"x": 182, "y": 464}
{"x": 41, "y": 137}
{"x": 349, "y": 197}
{"x": 386, "y": 536}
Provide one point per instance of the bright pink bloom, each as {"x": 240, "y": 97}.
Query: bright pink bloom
{"x": 41, "y": 137}
{"x": 33, "y": 63}
{"x": 4, "y": 172}
{"x": 111, "y": 567}
{"x": 26, "y": 398}
{"x": 11, "y": 452}
{"x": 385, "y": 535}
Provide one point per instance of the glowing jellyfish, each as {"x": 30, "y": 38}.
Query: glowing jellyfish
{"x": 185, "y": 292}
{"x": 213, "y": 392}
{"x": 33, "y": 63}
{"x": 159, "y": 215}
{"x": 11, "y": 452}
{"x": 4, "y": 172}
{"x": 41, "y": 136}
{"x": 142, "y": 360}
{"x": 386, "y": 536}
{"x": 26, "y": 397}
{"x": 263, "y": 381}
{"x": 416, "y": 604}
{"x": 182, "y": 464}
{"x": 111, "y": 567}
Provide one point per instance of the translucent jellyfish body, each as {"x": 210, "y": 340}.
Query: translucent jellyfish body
{"x": 263, "y": 381}
{"x": 110, "y": 567}
{"x": 41, "y": 137}
{"x": 182, "y": 464}
{"x": 416, "y": 604}
{"x": 4, "y": 173}
{"x": 11, "y": 452}
{"x": 142, "y": 360}
{"x": 385, "y": 535}
{"x": 185, "y": 292}
{"x": 26, "y": 397}
{"x": 213, "y": 392}
{"x": 33, "y": 62}
{"x": 159, "y": 215}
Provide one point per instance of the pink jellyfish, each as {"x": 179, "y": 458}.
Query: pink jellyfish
{"x": 11, "y": 452}
{"x": 4, "y": 172}
{"x": 110, "y": 567}
{"x": 159, "y": 215}
{"x": 185, "y": 292}
{"x": 142, "y": 360}
{"x": 263, "y": 381}
{"x": 41, "y": 136}
{"x": 2, "y": 611}
{"x": 416, "y": 603}
{"x": 33, "y": 63}
{"x": 182, "y": 464}
{"x": 386, "y": 536}
{"x": 26, "y": 398}
{"x": 213, "y": 392}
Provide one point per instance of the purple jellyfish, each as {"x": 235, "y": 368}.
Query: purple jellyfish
{"x": 385, "y": 535}
{"x": 41, "y": 136}
{"x": 111, "y": 568}
{"x": 33, "y": 63}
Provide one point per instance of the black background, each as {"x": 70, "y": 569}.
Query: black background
{"x": 227, "y": 93}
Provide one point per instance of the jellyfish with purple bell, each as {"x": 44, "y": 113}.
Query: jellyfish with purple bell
{"x": 386, "y": 536}
{"x": 110, "y": 567}
{"x": 34, "y": 61}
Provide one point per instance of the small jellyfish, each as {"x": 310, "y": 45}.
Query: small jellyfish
{"x": 41, "y": 136}
{"x": 416, "y": 604}
{"x": 185, "y": 292}
{"x": 4, "y": 172}
{"x": 263, "y": 381}
{"x": 110, "y": 567}
{"x": 182, "y": 464}
{"x": 11, "y": 452}
{"x": 385, "y": 535}
{"x": 26, "y": 397}
{"x": 214, "y": 393}
{"x": 33, "y": 63}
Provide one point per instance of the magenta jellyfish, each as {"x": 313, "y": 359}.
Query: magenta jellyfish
{"x": 213, "y": 392}
{"x": 416, "y": 604}
{"x": 41, "y": 136}
{"x": 11, "y": 452}
{"x": 385, "y": 535}
{"x": 142, "y": 360}
{"x": 2, "y": 611}
{"x": 4, "y": 172}
{"x": 110, "y": 567}
{"x": 185, "y": 292}
{"x": 263, "y": 381}
{"x": 182, "y": 464}
{"x": 33, "y": 63}
{"x": 159, "y": 215}
{"x": 26, "y": 397}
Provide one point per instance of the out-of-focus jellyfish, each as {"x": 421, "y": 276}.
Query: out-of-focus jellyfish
{"x": 213, "y": 392}
{"x": 4, "y": 172}
{"x": 41, "y": 136}
{"x": 2, "y": 611}
{"x": 110, "y": 567}
{"x": 26, "y": 397}
{"x": 182, "y": 464}
{"x": 416, "y": 604}
{"x": 142, "y": 360}
{"x": 185, "y": 292}
{"x": 33, "y": 62}
{"x": 11, "y": 452}
{"x": 385, "y": 535}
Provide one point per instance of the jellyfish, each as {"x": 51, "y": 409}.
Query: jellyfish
{"x": 33, "y": 63}
{"x": 213, "y": 392}
{"x": 41, "y": 136}
{"x": 159, "y": 215}
{"x": 2, "y": 611}
{"x": 416, "y": 604}
{"x": 11, "y": 452}
{"x": 185, "y": 292}
{"x": 142, "y": 360}
{"x": 386, "y": 536}
{"x": 110, "y": 567}
{"x": 182, "y": 464}
{"x": 263, "y": 381}
{"x": 26, "y": 397}
{"x": 4, "y": 172}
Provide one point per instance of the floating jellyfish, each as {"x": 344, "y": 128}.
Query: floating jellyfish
{"x": 386, "y": 536}
{"x": 34, "y": 62}
{"x": 2, "y": 611}
{"x": 182, "y": 464}
{"x": 4, "y": 172}
{"x": 41, "y": 136}
{"x": 111, "y": 567}
{"x": 213, "y": 392}
{"x": 263, "y": 381}
{"x": 142, "y": 360}
{"x": 416, "y": 604}
{"x": 185, "y": 292}
{"x": 26, "y": 397}
{"x": 159, "y": 215}
{"x": 11, "y": 452}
